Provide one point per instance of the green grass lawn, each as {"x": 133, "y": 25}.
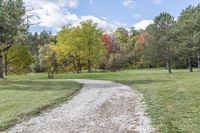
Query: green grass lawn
{"x": 173, "y": 99}
{"x": 22, "y": 99}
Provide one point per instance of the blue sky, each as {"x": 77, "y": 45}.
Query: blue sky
{"x": 109, "y": 14}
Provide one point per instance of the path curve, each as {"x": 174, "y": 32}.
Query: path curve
{"x": 100, "y": 107}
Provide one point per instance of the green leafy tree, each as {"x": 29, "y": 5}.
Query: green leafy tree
{"x": 36, "y": 43}
{"x": 122, "y": 35}
{"x": 160, "y": 38}
{"x": 19, "y": 59}
{"x": 196, "y": 35}
{"x": 70, "y": 48}
{"x": 152, "y": 54}
{"x": 185, "y": 32}
{"x": 77, "y": 46}
{"x": 50, "y": 59}
{"x": 91, "y": 38}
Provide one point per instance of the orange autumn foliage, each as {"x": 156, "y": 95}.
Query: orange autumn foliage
{"x": 140, "y": 41}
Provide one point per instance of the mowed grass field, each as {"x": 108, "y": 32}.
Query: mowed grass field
{"x": 22, "y": 99}
{"x": 173, "y": 100}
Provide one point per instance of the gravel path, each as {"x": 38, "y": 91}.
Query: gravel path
{"x": 100, "y": 107}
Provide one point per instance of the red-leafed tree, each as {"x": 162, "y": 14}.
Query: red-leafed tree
{"x": 111, "y": 44}
{"x": 113, "y": 47}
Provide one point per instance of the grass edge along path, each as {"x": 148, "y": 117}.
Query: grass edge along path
{"x": 44, "y": 107}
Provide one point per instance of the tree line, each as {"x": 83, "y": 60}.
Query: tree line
{"x": 174, "y": 43}
{"x": 167, "y": 42}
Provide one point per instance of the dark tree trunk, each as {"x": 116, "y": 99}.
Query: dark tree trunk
{"x": 75, "y": 67}
{"x": 1, "y": 67}
{"x": 169, "y": 66}
{"x": 79, "y": 69}
{"x": 114, "y": 64}
{"x": 89, "y": 59}
{"x": 198, "y": 57}
{"x": 6, "y": 63}
{"x": 168, "y": 58}
{"x": 1, "y": 60}
{"x": 190, "y": 64}
{"x": 79, "y": 66}
{"x": 89, "y": 66}
{"x": 51, "y": 75}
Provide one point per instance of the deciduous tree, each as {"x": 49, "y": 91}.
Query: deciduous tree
{"x": 91, "y": 38}
{"x": 19, "y": 59}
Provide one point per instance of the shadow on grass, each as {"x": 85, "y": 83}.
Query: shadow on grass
{"x": 38, "y": 86}
{"x": 133, "y": 82}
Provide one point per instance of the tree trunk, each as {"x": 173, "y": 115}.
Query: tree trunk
{"x": 75, "y": 66}
{"x": 6, "y": 63}
{"x": 89, "y": 66}
{"x": 114, "y": 62}
{"x": 80, "y": 69}
{"x": 148, "y": 66}
{"x": 1, "y": 67}
{"x": 48, "y": 75}
{"x": 168, "y": 57}
{"x": 89, "y": 60}
{"x": 52, "y": 74}
{"x": 190, "y": 64}
{"x": 79, "y": 66}
{"x": 169, "y": 66}
{"x": 114, "y": 66}
{"x": 198, "y": 57}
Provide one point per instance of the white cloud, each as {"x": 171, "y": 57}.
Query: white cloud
{"x": 60, "y": 3}
{"x": 129, "y": 3}
{"x": 101, "y": 23}
{"x": 157, "y": 1}
{"x": 51, "y": 15}
{"x": 54, "y": 14}
{"x": 142, "y": 24}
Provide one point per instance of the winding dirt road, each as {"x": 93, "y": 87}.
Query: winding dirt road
{"x": 100, "y": 107}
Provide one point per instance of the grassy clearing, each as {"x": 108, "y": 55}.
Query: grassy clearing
{"x": 173, "y": 99}
{"x": 22, "y": 99}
